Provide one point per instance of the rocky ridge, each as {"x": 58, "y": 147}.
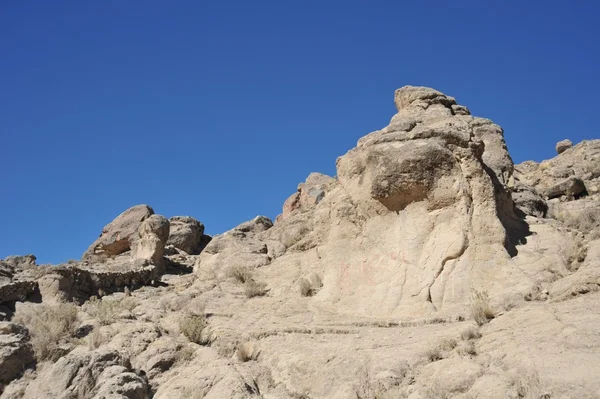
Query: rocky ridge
{"x": 430, "y": 267}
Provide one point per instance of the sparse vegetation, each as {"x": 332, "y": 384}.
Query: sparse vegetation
{"x": 184, "y": 355}
{"x": 448, "y": 344}
{"x": 96, "y": 339}
{"x": 481, "y": 311}
{"x": 49, "y": 325}
{"x": 466, "y": 348}
{"x": 310, "y": 286}
{"x": 193, "y": 324}
{"x": 434, "y": 354}
{"x": 108, "y": 310}
{"x": 470, "y": 333}
{"x": 240, "y": 273}
{"x": 247, "y": 351}
{"x": 253, "y": 288}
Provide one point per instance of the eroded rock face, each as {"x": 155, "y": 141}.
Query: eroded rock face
{"x": 186, "y": 234}
{"x": 16, "y": 352}
{"x": 563, "y": 145}
{"x": 116, "y": 237}
{"x": 309, "y": 194}
{"x": 98, "y": 374}
{"x": 149, "y": 241}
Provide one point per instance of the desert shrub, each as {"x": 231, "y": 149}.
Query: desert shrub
{"x": 309, "y": 287}
{"x": 96, "y": 339}
{"x": 448, "y": 344}
{"x": 466, "y": 348}
{"x": 470, "y": 333}
{"x": 49, "y": 326}
{"x": 184, "y": 355}
{"x": 247, "y": 351}
{"x": 253, "y": 289}
{"x": 481, "y": 311}
{"x": 192, "y": 325}
{"x": 434, "y": 354}
{"x": 107, "y": 310}
{"x": 239, "y": 273}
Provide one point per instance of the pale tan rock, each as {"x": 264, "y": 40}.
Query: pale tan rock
{"x": 186, "y": 234}
{"x": 149, "y": 241}
{"x": 563, "y": 145}
{"x": 116, "y": 236}
{"x": 16, "y": 353}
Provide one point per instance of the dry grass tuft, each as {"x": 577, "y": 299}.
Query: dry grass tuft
{"x": 467, "y": 348}
{"x": 434, "y": 354}
{"x": 184, "y": 355}
{"x": 448, "y": 344}
{"x": 193, "y": 325}
{"x": 253, "y": 289}
{"x": 240, "y": 273}
{"x": 309, "y": 287}
{"x": 96, "y": 339}
{"x": 49, "y": 325}
{"x": 481, "y": 311}
{"x": 247, "y": 351}
{"x": 470, "y": 333}
{"x": 108, "y": 310}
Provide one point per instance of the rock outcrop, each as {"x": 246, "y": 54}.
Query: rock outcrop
{"x": 16, "y": 353}
{"x": 563, "y": 145}
{"x": 149, "y": 241}
{"x": 186, "y": 233}
{"x": 116, "y": 237}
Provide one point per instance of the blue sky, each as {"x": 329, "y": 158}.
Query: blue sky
{"x": 218, "y": 109}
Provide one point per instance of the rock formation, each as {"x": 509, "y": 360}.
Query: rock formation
{"x": 430, "y": 267}
{"x": 117, "y": 235}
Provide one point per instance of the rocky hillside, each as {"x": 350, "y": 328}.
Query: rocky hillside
{"x": 430, "y": 267}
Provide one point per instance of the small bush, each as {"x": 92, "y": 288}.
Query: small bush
{"x": 448, "y": 344}
{"x": 253, "y": 289}
{"x": 481, "y": 310}
{"x": 309, "y": 287}
{"x": 107, "y": 310}
{"x": 184, "y": 355}
{"x": 470, "y": 333}
{"x": 192, "y": 326}
{"x": 247, "y": 351}
{"x": 49, "y": 326}
{"x": 96, "y": 339}
{"x": 240, "y": 273}
{"x": 434, "y": 354}
{"x": 467, "y": 348}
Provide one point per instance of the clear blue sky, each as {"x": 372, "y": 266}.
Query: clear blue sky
{"x": 218, "y": 109}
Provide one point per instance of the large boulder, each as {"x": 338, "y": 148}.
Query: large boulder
{"x": 563, "y": 146}
{"x": 116, "y": 236}
{"x": 149, "y": 241}
{"x": 16, "y": 352}
{"x": 186, "y": 234}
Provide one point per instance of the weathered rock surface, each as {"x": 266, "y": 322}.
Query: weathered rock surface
{"x": 84, "y": 374}
{"x": 116, "y": 236}
{"x": 309, "y": 194}
{"x": 186, "y": 234}
{"x": 149, "y": 241}
{"x": 563, "y": 145}
{"x": 16, "y": 352}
